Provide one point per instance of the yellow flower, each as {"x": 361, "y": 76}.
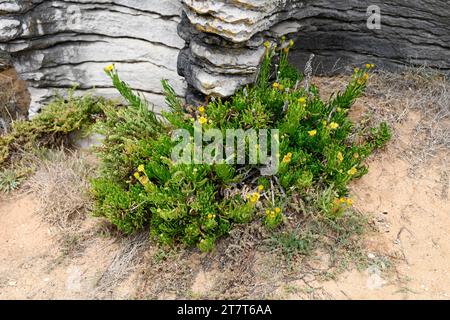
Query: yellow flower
{"x": 270, "y": 214}
{"x": 356, "y": 70}
{"x": 356, "y": 155}
{"x": 333, "y": 125}
{"x": 287, "y": 158}
{"x": 255, "y": 197}
{"x": 312, "y": 133}
{"x": 281, "y": 87}
{"x": 342, "y": 200}
{"x": 291, "y": 43}
{"x": 210, "y": 216}
{"x": 338, "y": 109}
{"x": 141, "y": 168}
{"x": 275, "y": 85}
{"x": 372, "y": 66}
{"x": 144, "y": 180}
{"x": 286, "y": 50}
{"x": 109, "y": 68}
{"x": 352, "y": 171}
{"x": 363, "y": 79}
{"x": 201, "y": 110}
{"x": 302, "y": 100}
{"x": 260, "y": 188}
{"x": 368, "y": 66}
{"x": 277, "y": 210}
{"x": 136, "y": 175}
{"x": 349, "y": 202}
{"x": 202, "y": 120}
{"x": 340, "y": 156}
{"x": 283, "y": 38}
{"x": 267, "y": 44}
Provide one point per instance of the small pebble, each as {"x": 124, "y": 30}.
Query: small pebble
{"x": 371, "y": 256}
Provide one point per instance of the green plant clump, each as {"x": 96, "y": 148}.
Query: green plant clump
{"x": 195, "y": 204}
{"x": 51, "y": 127}
{"x": 27, "y": 141}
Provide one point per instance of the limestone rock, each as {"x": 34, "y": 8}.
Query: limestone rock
{"x": 208, "y": 47}
{"x": 237, "y": 21}
{"x": 413, "y": 33}
{"x": 56, "y": 45}
{"x": 337, "y": 32}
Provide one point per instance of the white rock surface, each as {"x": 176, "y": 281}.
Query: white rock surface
{"x": 216, "y": 45}
{"x": 56, "y": 44}
{"x": 337, "y": 32}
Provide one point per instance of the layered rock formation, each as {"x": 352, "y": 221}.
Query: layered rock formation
{"x": 225, "y": 42}
{"x": 224, "y": 38}
{"x": 56, "y": 44}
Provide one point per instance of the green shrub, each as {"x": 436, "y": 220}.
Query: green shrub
{"x": 27, "y": 141}
{"x": 51, "y": 127}
{"x": 195, "y": 204}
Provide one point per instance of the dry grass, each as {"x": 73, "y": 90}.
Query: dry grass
{"x": 167, "y": 274}
{"x": 393, "y": 97}
{"x": 7, "y": 98}
{"x": 252, "y": 262}
{"x": 60, "y": 185}
{"x": 124, "y": 262}
{"x": 423, "y": 91}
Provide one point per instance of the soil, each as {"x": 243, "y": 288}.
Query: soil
{"x": 412, "y": 212}
{"x": 32, "y": 263}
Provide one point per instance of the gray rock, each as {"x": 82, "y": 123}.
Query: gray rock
{"x": 337, "y": 32}
{"x": 55, "y": 45}
{"x": 208, "y": 47}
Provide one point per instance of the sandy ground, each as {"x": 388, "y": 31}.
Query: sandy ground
{"x": 411, "y": 212}
{"x": 32, "y": 264}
